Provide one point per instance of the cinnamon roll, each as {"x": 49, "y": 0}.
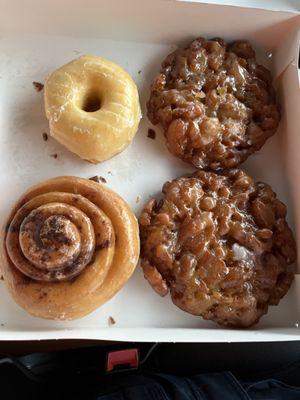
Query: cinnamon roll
{"x": 69, "y": 245}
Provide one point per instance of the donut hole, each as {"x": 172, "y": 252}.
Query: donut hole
{"x": 91, "y": 102}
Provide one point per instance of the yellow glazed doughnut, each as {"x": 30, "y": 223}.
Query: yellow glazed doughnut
{"x": 93, "y": 109}
{"x": 68, "y": 246}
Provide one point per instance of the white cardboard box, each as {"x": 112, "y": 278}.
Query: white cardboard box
{"x": 35, "y": 38}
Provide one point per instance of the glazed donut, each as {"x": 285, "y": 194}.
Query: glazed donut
{"x": 92, "y": 105}
{"x": 69, "y": 245}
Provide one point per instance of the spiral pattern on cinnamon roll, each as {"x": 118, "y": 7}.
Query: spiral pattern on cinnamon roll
{"x": 70, "y": 245}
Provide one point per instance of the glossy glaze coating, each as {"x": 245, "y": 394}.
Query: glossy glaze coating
{"x": 216, "y": 104}
{"x": 220, "y": 244}
{"x": 93, "y": 109}
{"x": 68, "y": 246}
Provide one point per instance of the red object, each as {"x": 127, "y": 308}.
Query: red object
{"x": 122, "y": 357}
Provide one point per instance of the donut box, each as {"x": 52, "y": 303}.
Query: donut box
{"x": 38, "y": 39}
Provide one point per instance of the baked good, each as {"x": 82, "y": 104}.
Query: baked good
{"x": 69, "y": 245}
{"x": 92, "y": 105}
{"x": 220, "y": 244}
{"x": 216, "y": 104}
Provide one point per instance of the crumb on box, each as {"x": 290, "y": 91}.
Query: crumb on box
{"x": 2, "y": 324}
{"x": 38, "y": 86}
{"x": 151, "y": 133}
{"x": 98, "y": 179}
{"x": 111, "y": 321}
{"x": 109, "y": 173}
{"x": 138, "y": 198}
{"x": 54, "y": 155}
{"x": 45, "y": 136}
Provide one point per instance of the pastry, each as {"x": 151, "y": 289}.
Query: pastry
{"x": 216, "y": 104}
{"x": 92, "y": 105}
{"x": 221, "y": 246}
{"x": 69, "y": 245}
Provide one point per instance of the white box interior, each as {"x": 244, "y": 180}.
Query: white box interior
{"x": 137, "y": 35}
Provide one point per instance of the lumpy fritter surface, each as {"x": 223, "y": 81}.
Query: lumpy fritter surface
{"x": 220, "y": 244}
{"x": 216, "y": 104}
